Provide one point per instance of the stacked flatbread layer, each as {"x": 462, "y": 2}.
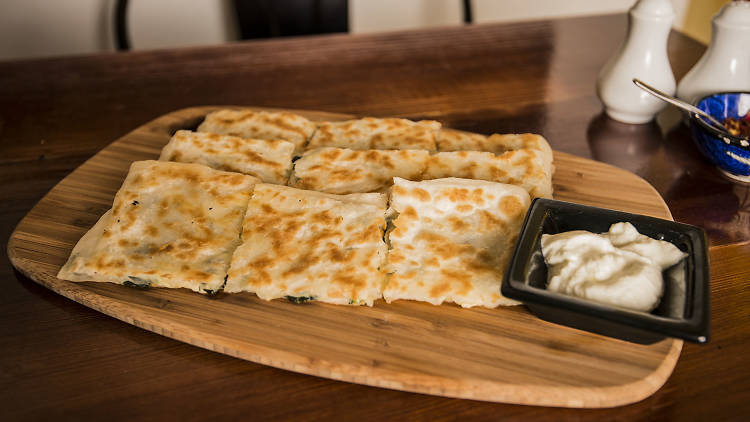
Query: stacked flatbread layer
{"x": 517, "y": 159}
{"x": 371, "y": 133}
{"x": 342, "y": 170}
{"x": 454, "y": 140}
{"x": 269, "y": 160}
{"x": 260, "y": 125}
{"x": 523, "y": 167}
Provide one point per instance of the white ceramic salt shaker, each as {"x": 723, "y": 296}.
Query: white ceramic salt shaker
{"x": 725, "y": 66}
{"x": 644, "y": 56}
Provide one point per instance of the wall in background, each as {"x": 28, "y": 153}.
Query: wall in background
{"x": 175, "y": 23}
{"x": 517, "y": 10}
{"x": 43, "y": 28}
{"x": 36, "y": 28}
{"x": 696, "y": 18}
{"x": 375, "y": 16}
{"x": 693, "y": 16}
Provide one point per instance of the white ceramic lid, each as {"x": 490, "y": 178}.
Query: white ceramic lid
{"x": 735, "y": 14}
{"x": 660, "y": 9}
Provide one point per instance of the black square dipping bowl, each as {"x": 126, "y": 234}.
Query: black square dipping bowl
{"x": 685, "y": 305}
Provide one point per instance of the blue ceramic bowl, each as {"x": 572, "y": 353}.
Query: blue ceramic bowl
{"x": 730, "y": 153}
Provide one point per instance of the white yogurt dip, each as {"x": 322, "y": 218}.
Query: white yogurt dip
{"x": 621, "y": 267}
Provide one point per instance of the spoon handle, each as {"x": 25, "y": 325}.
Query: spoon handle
{"x": 677, "y": 103}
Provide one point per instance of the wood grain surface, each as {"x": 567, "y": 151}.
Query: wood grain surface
{"x": 503, "y": 354}
{"x": 60, "y": 360}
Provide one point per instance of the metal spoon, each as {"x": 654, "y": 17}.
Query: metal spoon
{"x": 680, "y": 104}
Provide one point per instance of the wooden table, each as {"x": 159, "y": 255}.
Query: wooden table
{"x": 58, "y": 358}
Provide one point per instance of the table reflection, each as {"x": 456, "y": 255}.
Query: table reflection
{"x": 631, "y": 147}
{"x": 663, "y": 153}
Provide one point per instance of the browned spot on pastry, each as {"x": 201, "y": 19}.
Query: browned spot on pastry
{"x": 511, "y": 206}
{"x": 439, "y": 290}
{"x": 422, "y": 194}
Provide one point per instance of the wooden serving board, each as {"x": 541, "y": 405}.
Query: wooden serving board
{"x": 504, "y": 354}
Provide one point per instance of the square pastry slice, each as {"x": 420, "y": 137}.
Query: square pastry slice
{"x": 171, "y": 225}
{"x": 526, "y": 168}
{"x": 452, "y": 239}
{"x": 260, "y": 125}
{"x": 372, "y": 133}
{"x": 268, "y": 160}
{"x": 306, "y": 245}
{"x": 343, "y": 170}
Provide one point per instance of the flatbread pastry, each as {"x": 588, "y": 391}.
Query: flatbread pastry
{"x": 342, "y": 170}
{"x": 527, "y": 168}
{"x": 260, "y": 125}
{"x": 455, "y": 140}
{"x": 452, "y": 239}
{"x": 268, "y": 160}
{"x": 171, "y": 225}
{"x": 307, "y": 245}
{"x": 373, "y": 133}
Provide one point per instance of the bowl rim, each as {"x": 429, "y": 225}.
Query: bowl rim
{"x": 737, "y": 141}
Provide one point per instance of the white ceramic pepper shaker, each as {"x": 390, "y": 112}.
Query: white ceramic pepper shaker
{"x": 644, "y": 56}
{"x": 725, "y": 66}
